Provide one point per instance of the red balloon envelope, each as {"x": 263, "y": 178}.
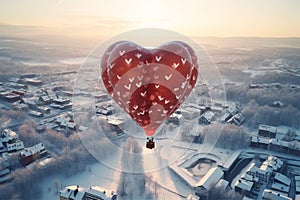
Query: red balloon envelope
{"x": 149, "y": 84}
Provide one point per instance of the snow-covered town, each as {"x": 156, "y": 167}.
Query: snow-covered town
{"x": 67, "y": 134}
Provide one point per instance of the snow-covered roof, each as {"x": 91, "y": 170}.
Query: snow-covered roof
{"x": 8, "y": 134}
{"x": 69, "y": 191}
{"x": 280, "y": 142}
{"x": 187, "y": 177}
{"x": 283, "y": 179}
{"x": 280, "y": 187}
{"x": 211, "y": 178}
{"x": 244, "y": 184}
{"x": 208, "y": 115}
{"x": 268, "y": 128}
{"x": 261, "y": 140}
{"x": 76, "y": 192}
{"x": 191, "y": 197}
{"x": 99, "y": 192}
{"x": 270, "y": 194}
{"x": 33, "y": 150}
{"x": 115, "y": 121}
{"x": 222, "y": 183}
{"x": 247, "y": 198}
{"x": 249, "y": 177}
{"x": 297, "y": 182}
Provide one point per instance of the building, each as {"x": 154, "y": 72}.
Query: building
{"x": 30, "y": 154}
{"x": 190, "y": 113}
{"x": 243, "y": 186}
{"x": 192, "y": 197}
{"x": 246, "y": 183}
{"x": 175, "y": 118}
{"x": 34, "y": 113}
{"x": 207, "y": 117}
{"x": 211, "y": 178}
{"x": 282, "y": 179}
{"x": 272, "y": 195}
{"x": 292, "y": 147}
{"x": 33, "y": 81}
{"x": 30, "y": 102}
{"x": 43, "y": 109}
{"x": 266, "y": 169}
{"x": 297, "y": 184}
{"x": 116, "y": 124}
{"x": 107, "y": 109}
{"x": 10, "y": 97}
{"x": 76, "y": 192}
{"x": 8, "y": 135}
{"x": 4, "y": 170}
{"x": 9, "y": 141}
{"x": 279, "y": 187}
{"x": 61, "y": 101}
{"x": 16, "y": 145}
{"x": 238, "y": 119}
{"x": 267, "y": 131}
{"x": 45, "y": 100}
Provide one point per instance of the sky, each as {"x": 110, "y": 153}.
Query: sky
{"x": 88, "y": 18}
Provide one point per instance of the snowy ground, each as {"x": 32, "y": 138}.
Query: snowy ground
{"x": 165, "y": 184}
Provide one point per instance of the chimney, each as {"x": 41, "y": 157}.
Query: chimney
{"x": 75, "y": 192}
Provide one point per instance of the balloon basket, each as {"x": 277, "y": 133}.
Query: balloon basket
{"x": 150, "y": 144}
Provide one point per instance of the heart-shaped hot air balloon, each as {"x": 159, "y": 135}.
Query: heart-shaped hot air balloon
{"x": 149, "y": 84}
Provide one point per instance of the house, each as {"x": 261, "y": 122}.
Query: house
{"x": 76, "y": 192}
{"x": 16, "y": 85}
{"x": 233, "y": 108}
{"x": 19, "y": 92}
{"x": 10, "y": 142}
{"x": 34, "y": 113}
{"x": 207, "y": 117}
{"x": 30, "y": 102}
{"x": 237, "y": 119}
{"x": 16, "y": 145}
{"x": 30, "y": 154}
{"x": 227, "y": 116}
{"x": 254, "y": 86}
{"x": 277, "y": 104}
{"x": 190, "y": 113}
{"x": 8, "y": 135}
{"x": 33, "y": 81}
{"x": 175, "y": 118}
{"x": 43, "y": 109}
{"x": 11, "y": 97}
{"x": 116, "y": 124}
{"x": 45, "y": 100}
{"x": 105, "y": 110}
{"x": 100, "y": 97}
{"x": 61, "y": 100}
{"x": 267, "y": 131}
{"x": 216, "y": 109}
